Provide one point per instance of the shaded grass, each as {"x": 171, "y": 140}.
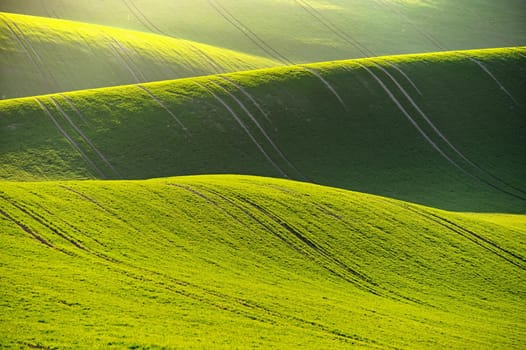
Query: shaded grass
{"x": 288, "y": 121}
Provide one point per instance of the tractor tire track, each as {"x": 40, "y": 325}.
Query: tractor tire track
{"x": 68, "y": 138}
{"x": 50, "y": 12}
{"x": 208, "y": 200}
{"x": 253, "y": 37}
{"x": 333, "y": 28}
{"x": 430, "y": 141}
{"x": 345, "y": 266}
{"x": 88, "y": 198}
{"x": 42, "y": 222}
{"x": 406, "y": 77}
{"x": 216, "y": 67}
{"x": 443, "y": 137}
{"x": 21, "y": 44}
{"x": 366, "y": 52}
{"x": 68, "y": 224}
{"x": 483, "y": 239}
{"x": 160, "y": 103}
{"x": 84, "y": 137}
{"x": 43, "y": 67}
{"x": 260, "y": 128}
{"x": 26, "y": 229}
{"x": 280, "y": 223}
{"x": 271, "y": 230}
{"x": 411, "y": 120}
{"x": 215, "y": 298}
{"x": 119, "y": 55}
{"x": 137, "y": 13}
{"x": 249, "y": 96}
{"x": 244, "y": 127}
{"x": 77, "y": 111}
{"x": 245, "y": 307}
{"x": 101, "y": 206}
{"x": 429, "y": 37}
{"x": 123, "y": 56}
{"x": 488, "y": 72}
{"x": 59, "y": 232}
{"x": 473, "y": 237}
{"x": 30, "y": 52}
{"x": 365, "y": 283}
{"x": 441, "y": 47}
{"x": 328, "y": 85}
{"x": 124, "y": 50}
{"x": 141, "y": 17}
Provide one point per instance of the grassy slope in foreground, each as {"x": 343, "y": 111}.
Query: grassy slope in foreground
{"x": 341, "y": 128}
{"x": 307, "y": 30}
{"x": 236, "y": 261}
{"x": 41, "y": 55}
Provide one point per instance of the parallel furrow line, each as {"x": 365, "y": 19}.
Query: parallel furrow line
{"x": 328, "y": 85}
{"x": 442, "y": 136}
{"x": 253, "y": 37}
{"x": 244, "y": 127}
{"x": 84, "y": 137}
{"x": 260, "y": 128}
{"x": 160, "y": 103}
{"x": 430, "y": 141}
{"x": 68, "y": 138}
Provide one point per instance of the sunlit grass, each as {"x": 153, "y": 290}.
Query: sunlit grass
{"x": 42, "y": 55}
{"x": 233, "y": 261}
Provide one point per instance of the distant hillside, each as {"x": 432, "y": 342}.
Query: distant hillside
{"x": 447, "y": 130}
{"x": 40, "y": 55}
{"x": 307, "y": 30}
{"x": 229, "y": 261}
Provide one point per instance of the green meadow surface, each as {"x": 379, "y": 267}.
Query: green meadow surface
{"x": 249, "y": 262}
{"x": 443, "y": 129}
{"x": 307, "y": 30}
{"x": 42, "y": 55}
{"x": 105, "y": 244}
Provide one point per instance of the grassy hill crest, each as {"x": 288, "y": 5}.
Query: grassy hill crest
{"x": 238, "y": 261}
{"x": 43, "y": 55}
{"x": 302, "y": 31}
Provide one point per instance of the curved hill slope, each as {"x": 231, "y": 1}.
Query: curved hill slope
{"x": 307, "y": 30}
{"x": 41, "y": 55}
{"x": 443, "y": 129}
{"x": 233, "y": 261}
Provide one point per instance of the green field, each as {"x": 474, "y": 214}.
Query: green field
{"x": 441, "y": 145}
{"x": 262, "y": 174}
{"x": 43, "y": 55}
{"x": 307, "y": 30}
{"x": 247, "y": 262}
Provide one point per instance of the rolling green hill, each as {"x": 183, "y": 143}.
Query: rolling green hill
{"x": 446, "y": 130}
{"x": 41, "y": 55}
{"x": 105, "y": 244}
{"x": 236, "y": 261}
{"x": 307, "y": 30}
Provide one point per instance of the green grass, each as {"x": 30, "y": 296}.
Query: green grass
{"x": 384, "y": 27}
{"x": 237, "y": 261}
{"x": 41, "y": 55}
{"x": 358, "y": 139}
